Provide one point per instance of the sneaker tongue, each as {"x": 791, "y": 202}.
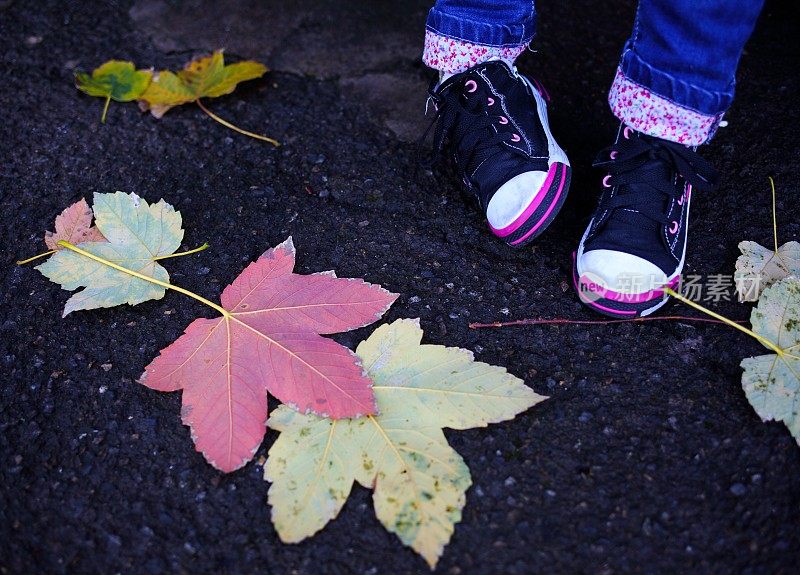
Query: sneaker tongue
{"x": 628, "y": 230}
{"x": 655, "y": 170}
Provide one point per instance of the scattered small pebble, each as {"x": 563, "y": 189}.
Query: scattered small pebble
{"x": 738, "y": 489}
{"x": 102, "y": 389}
{"x": 106, "y": 366}
{"x": 505, "y": 311}
{"x": 414, "y": 299}
{"x": 510, "y": 482}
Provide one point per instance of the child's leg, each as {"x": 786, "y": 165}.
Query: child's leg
{"x": 492, "y": 120}
{"x": 674, "y": 83}
{"x": 677, "y": 74}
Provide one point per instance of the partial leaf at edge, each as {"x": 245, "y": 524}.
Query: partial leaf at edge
{"x": 758, "y": 267}
{"x": 771, "y": 382}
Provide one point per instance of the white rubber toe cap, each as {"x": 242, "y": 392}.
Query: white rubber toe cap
{"x": 513, "y": 197}
{"x": 620, "y": 271}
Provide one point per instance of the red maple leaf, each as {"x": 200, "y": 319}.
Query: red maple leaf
{"x": 269, "y": 341}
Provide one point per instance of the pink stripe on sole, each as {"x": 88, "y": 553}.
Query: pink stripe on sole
{"x": 628, "y": 298}
{"x": 594, "y": 304}
{"x": 511, "y": 228}
{"x": 553, "y": 204}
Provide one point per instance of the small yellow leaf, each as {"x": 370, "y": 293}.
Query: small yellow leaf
{"x": 165, "y": 91}
{"x": 206, "y": 77}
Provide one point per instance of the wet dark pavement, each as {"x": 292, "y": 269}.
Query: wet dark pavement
{"x": 647, "y": 456}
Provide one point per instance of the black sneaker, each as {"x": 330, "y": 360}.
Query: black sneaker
{"x": 635, "y": 244}
{"x": 493, "y": 121}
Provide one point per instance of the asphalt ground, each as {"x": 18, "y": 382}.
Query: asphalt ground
{"x": 646, "y": 458}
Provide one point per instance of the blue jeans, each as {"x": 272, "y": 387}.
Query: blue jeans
{"x": 683, "y": 52}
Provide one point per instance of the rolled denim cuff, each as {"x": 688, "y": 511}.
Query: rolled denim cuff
{"x": 645, "y": 109}
{"x": 667, "y": 86}
{"x": 482, "y": 33}
{"x": 453, "y": 56}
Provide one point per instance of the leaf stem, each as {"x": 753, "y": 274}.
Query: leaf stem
{"x": 564, "y": 321}
{"x": 179, "y": 254}
{"x": 774, "y": 216}
{"x": 764, "y": 341}
{"x": 165, "y": 285}
{"x": 105, "y": 109}
{"x": 36, "y": 257}
{"x": 227, "y": 124}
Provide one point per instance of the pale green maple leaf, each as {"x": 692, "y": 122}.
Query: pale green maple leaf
{"x": 138, "y": 233}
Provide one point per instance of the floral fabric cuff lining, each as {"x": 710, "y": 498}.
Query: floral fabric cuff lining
{"x": 452, "y": 56}
{"x": 654, "y": 115}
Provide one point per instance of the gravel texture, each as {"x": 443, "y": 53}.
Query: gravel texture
{"x": 647, "y": 456}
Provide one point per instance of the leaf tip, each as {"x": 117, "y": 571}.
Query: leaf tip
{"x": 288, "y": 245}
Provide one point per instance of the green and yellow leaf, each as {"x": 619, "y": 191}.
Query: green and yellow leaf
{"x": 115, "y": 80}
{"x": 419, "y": 480}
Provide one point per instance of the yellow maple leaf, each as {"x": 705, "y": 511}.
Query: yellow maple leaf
{"x": 204, "y": 77}
{"x": 419, "y": 480}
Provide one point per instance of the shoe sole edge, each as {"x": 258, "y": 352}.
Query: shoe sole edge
{"x": 541, "y": 211}
{"x": 621, "y": 309}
